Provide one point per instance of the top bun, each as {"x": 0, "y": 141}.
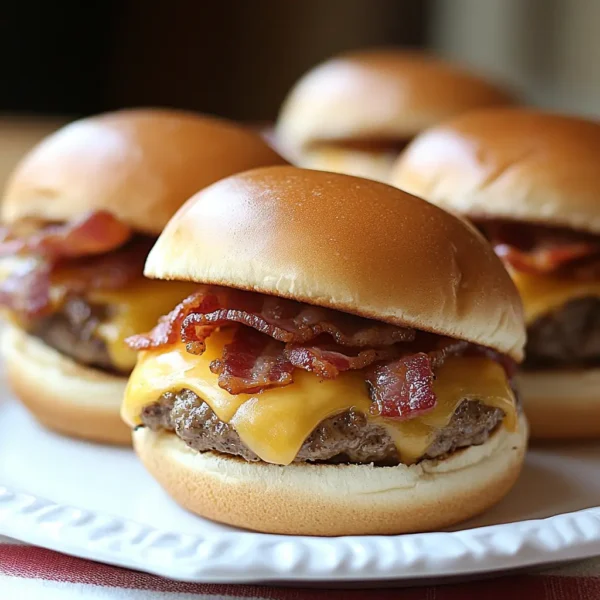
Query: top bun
{"x": 345, "y": 243}
{"x": 379, "y": 95}
{"x": 140, "y": 165}
{"x": 509, "y": 164}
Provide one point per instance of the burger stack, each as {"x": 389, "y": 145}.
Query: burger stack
{"x": 529, "y": 181}
{"x": 307, "y": 352}
{"x": 80, "y": 214}
{"x": 356, "y": 112}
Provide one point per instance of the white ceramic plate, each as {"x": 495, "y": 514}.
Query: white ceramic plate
{"x": 98, "y": 503}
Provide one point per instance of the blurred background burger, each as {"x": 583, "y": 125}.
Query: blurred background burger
{"x": 79, "y": 216}
{"x": 530, "y": 182}
{"x": 355, "y": 112}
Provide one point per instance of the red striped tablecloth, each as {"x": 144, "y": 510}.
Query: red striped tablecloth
{"x": 29, "y": 572}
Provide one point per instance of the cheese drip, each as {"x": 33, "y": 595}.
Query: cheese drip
{"x": 275, "y": 423}
{"x": 541, "y": 294}
{"x": 135, "y": 309}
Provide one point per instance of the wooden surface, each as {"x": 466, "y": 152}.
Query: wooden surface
{"x": 20, "y": 134}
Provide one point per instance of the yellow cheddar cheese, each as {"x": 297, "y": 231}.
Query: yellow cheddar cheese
{"x": 135, "y": 309}
{"x": 542, "y": 294}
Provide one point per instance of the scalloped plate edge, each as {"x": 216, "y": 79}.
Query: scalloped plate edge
{"x": 220, "y": 559}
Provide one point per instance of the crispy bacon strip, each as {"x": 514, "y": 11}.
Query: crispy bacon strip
{"x": 168, "y": 329}
{"x": 300, "y": 329}
{"x": 26, "y": 288}
{"x": 329, "y": 361}
{"x": 89, "y": 253}
{"x": 284, "y": 320}
{"x": 543, "y": 250}
{"x": 290, "y": 322}
{"x": 545, "y": 260}
{"x": 403, "y": 389}
{"x": 108, "y": 271}
{"x": 252, "y": 362}
{"x": 94, "y": 233}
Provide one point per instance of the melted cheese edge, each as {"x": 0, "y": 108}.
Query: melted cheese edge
{"x": 135, "y": 309}
{"x": 542, "y": 294}
{"x": 275, "y": 423}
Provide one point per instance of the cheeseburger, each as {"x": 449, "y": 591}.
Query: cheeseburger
{"x": 354, "y": 113}
{"x": 343, "y": 366}
{"x": 80, "y": 215}
{"x": 530, "y": 182}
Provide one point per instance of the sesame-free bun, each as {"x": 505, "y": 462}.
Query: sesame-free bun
{"x": 381, "y": 95}
{"x": 345, "y": 243}
{"x": 372, "y": 164}
{"x": 61, "y": 394}
{"x": 561, "y": 404}
{"x": 319, "y": 499}
{"x": 509, "y": 164}
{"x": 140, "y": 165}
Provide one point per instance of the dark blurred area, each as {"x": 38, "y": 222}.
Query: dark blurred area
{"x": 238, "y": 58}
{"x": 235, "y": 58}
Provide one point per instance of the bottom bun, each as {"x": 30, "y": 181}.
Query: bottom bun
{"x": 561, "y": 404}
{"x": 306, "y": 499}
{"x": 70, "y": 398}
{"x": 350, "y": 161}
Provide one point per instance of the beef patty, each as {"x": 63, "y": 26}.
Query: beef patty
{"x": 568, "y": 336}
{"x": 345, "y": 438}
{"x": 72, "y": 331}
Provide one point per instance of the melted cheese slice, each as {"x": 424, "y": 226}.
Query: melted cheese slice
{"x": 542, "y": 294}
{"x": 275, "y": 423}
{"x": 135, "y": 309}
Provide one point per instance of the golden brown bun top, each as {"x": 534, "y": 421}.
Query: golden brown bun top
{"x": 509, "y": 164}
{"x": 380, "y": 95}
{"x": 346, "y": 243}
{"x": 141, "y": 165}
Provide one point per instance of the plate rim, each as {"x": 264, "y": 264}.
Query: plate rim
{"x": 215, "y": 557}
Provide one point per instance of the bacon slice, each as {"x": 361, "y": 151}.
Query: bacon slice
{"x": 308, "y": 324}
{"x": 26, "y": 289}
{"x": 438, "y": 348}
{"x": 403, "y": 389}
{"x": 329, "y": 361}
{"x": 94, "y": 233}
{"x": 168, "y": 329}
{"x": 544, "y": 250}
{"x": 546, "y": 260}
{"x": 252, "y": 362}
{"x": 284, "y": 320}
{"x": 108, "y": 271}
{"x": 289, "y": 321}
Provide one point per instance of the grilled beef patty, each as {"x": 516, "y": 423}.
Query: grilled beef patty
{"x": 345, "y": 438}
{"x": 567, "y": 337}
{"x": 72, "y": 331}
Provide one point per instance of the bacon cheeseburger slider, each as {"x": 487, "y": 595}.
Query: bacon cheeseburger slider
{"x": 80, "y": 215}
{"x": 531, "y": 182}
{"x": 354, "y": 113}
{"x": 343, "y": 366}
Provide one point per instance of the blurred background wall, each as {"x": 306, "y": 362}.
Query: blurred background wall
{"x": 239, "y": 57}
{"x": 550, "y": 49}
